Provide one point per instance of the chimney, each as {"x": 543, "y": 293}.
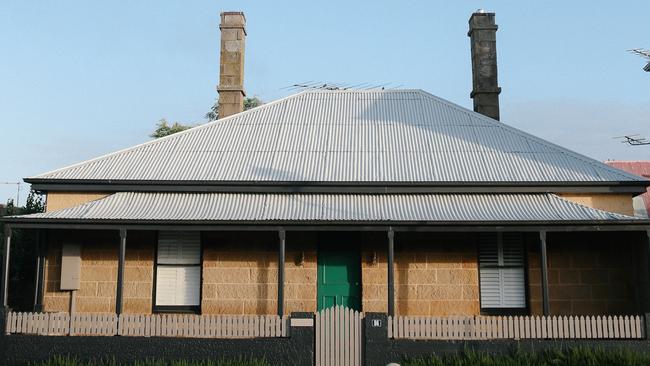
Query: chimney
{"x": 483, "y": 35}
{"x": 231, "y": 67}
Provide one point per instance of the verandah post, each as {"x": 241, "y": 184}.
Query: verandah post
{"x": 281, "y": 257}
{"x": 544, "y": 268}
{"x": 646, "y": 238}
{"x": 40, "y": 270}
{"x": 5, "y": 266}
{"x": 120, "y": 273}
{"x": 5, "y": 279}
{"x": 391, "y": 273}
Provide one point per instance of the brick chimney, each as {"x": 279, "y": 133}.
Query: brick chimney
{"x": 231, "y": 70}
{"x": 485, "y": 92}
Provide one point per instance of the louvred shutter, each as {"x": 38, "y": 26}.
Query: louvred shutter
{"x": 178, "y": 275}
{"x": 502, "y": 279}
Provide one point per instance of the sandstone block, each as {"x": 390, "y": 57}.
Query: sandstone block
{"x": 52, "y": 286}
{"x": 412, "y": 307}
{"x": 375, "y": 306}
{"x": 421, "y": 276}
{"x": 300, "y": 275}
{"x": 209, "y": 291}
{"x": 569, "y": 276}
{"x": 560, "y": 307}
{"x": 137, "y": 306}
{"x": 222, "y": 306}
{"x": 87, "y": 288}
{"x": 374, "y": 276}
{"x": 106, "y": 289}
{"x": 141, "y": 274}
{"x": 300, "y": 292}
{"x": 405, "y": 292}
{"x": 374, "y": 292}
{"x": 95, "y": 305}
{"x": 569, "y": 292}
{"x": 260, "y": 307}
{"x": 299, "y": 305}
{"x": 144, "y": 289}
{"x": 230, "y": 275}
{"x": 56, "y": 304}
{"x": 97, "y": 273}
{"x": 471, "y": 293}
{"x": 594, "y": 276}
{"x": 130, "y": 289}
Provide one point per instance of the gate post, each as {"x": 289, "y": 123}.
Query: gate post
{"x": 301, "y": 331}
{"x": 376, "y": 344}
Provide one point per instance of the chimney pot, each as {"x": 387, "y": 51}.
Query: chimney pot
{"x": 231, "y": 66}
{"x": 486, "y": 90}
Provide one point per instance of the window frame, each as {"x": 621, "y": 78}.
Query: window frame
{"x": 525, "y": 310}
{"x": 178, "y": 309}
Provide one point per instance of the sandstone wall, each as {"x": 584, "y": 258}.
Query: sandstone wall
{"x": 435, "y": 274}
{"x": 619, "y": 203}
{"x": 240, "y": 273}
{"x": 588, "y": 273}
{"x": 60, "y": 200}
{"x": 99, "y": 253}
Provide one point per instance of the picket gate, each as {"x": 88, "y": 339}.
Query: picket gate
{"x": 339, "y": 337}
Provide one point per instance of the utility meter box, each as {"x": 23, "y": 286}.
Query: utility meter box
{"x": 70, "y": 266}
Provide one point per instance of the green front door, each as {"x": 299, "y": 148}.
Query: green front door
{"x": 339, "y": 272}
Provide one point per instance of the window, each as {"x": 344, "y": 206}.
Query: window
{"x": 501, "y": 271}
{"x": 178, "y": 270}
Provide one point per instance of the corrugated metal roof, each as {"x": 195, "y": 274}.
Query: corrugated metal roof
{"x": 642, "y": 169}
{"x": 331, "y": 207}
{"x": 349, "y": 136}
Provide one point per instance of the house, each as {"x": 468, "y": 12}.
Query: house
{"x": 641, "y": 202}
{"x": 393, "y": 201}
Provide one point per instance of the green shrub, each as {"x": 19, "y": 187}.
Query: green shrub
{"x": 70, "y": 361}
{"x": 577, "y": 356}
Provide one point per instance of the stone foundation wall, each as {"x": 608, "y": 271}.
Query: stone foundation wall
{"x": 99, "y": 253}
{"x": 588, "y": 274}
{"x": 240, "y": 273}
{"x": 435, "y": 274}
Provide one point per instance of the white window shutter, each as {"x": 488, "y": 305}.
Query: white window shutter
{"x": 178, "y": 285}
{"x": 178, "y": 274}
{"x": 502, "y": 277}
{"x": 490, "y": 288}
{"x": 179, "y": 247}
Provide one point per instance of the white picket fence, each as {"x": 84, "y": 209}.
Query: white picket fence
{"x": 339, "y": 337}
{"x": 517, "y": 327}
{"x": 156, "y": 325}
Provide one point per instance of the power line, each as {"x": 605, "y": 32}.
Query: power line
{"x": 17, "y": 191}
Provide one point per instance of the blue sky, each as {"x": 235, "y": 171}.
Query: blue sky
{"x": 84, "y": 78}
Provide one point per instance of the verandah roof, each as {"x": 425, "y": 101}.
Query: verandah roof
{"x": 328, "y": 208}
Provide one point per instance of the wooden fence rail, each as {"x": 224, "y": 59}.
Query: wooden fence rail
{"x": 156, "y": 325}
{"x": 517, "y": 327}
